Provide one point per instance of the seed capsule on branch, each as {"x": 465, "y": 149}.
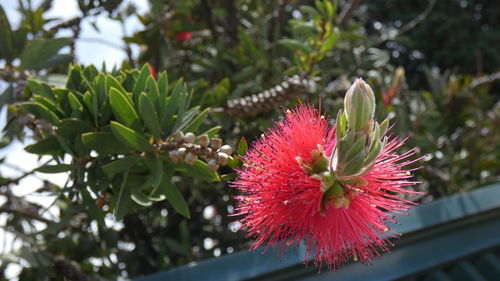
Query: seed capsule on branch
{"x": 269, "y": 99}
{"x": 189, "y": 148}
{"x": 203, "y": 140}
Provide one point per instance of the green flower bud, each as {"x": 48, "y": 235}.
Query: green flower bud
{"x": 359, "y": 141}
{"x": 359, "y": 106}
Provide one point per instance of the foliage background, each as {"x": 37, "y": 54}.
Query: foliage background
{"x": 433, "y": 66}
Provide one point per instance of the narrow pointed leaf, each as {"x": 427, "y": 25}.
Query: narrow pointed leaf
{"x": 140, "y": 198}
{"x": 197, "y": 121}
{"x": 123, "y": 109}
{"x": 172, "y": 104}
{"x": 149, "y": 115}
{"x": 54, "y": 169}
{"x": 242, "y": 146}
{"x": 48, "y": 145}
{"x": 174, "y": 196}
{"x": 121, "y": 164}
{"x": 41, "y": 111}
{"x": 130, "y": 137}
{"x": 123, "y": 199}
{"x": 140, "y": 83}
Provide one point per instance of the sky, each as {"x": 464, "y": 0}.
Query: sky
{"x": 88, "y": 51}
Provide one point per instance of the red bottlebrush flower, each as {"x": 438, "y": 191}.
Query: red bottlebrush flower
{"x": 284, "y": 202}
{"x": 183, "y": 36}
{"x": 152, "y": 70}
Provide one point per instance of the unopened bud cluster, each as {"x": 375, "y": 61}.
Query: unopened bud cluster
{"x": 188, "y": 148}
{"x": 269, "y": 99}
{"x": 360, "y": 139}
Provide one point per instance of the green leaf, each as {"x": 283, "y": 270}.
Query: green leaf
{"x": 57, "y": 60}
{"x": 173, "y": 103}
{"x": 74, "y": 82}
{"x": 199, "y": 170}
{"x": 41, "y": 111}
{"x": 19, "y": 37}
{"x": 383, "y": 126}
{"x": 234, "y": 162}
{"x": 196, "y": 122}
{"x": 7, "y": 96}
{"x": 65, "y": 145}
{"x": 80, "y": 150}
{"x": 174, "y": 196}
{"x": 373, "y": 153}
{"x": 149, "y": 115}
{"x": 186, "y": 118}
{"x": 140, "y": 82}
{"x": 91, "y": 207}
{"x": 121, "y": 164}
{"x": 355, "y": 148}
{"x": 313, "y": 13}
{"x": 49, "y": 104}
{"x": 353, "y": 165}
{"x": 242, "y": 146}
{"x": 41, "y": 51}
{"x": 155, "y": 167}
{"x": 54, "y": 169}
{"x": 130, "y": 137}
{"x": 39, "y": 88}
{"x": 48, "y": 145}
{"x": 249, "y": 44}
{"x": 140, "y": 198}
{"x": 99, "y": 86}
{"x": 296, "y": 45}
{"x": 111, "y": 82}
{"x": 123, "y": 109}
{"x": 152, "y": 90}
{"x": 163, "y": 86}
{"x": 75, "y": 103}
{"x": 7, "y": 46}
{"x": 341, "y": 124}
{"x": 69, "y": 128}
{"x": 228, "y": 177}
{"x": 103, "y": 142}
{"x": 212, "y": 132}
{"x": 123, "y": 199}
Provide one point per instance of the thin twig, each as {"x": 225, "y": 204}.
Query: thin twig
{"x": 66, "y": 24}
{"x": 15, "y": 180}
{"x": 410, "y": 24}
{"x": 102, "y": 41}
{"x": 348, "y": 11}
{"x": 29, "y": 215}
{"x": 485, "y": 80}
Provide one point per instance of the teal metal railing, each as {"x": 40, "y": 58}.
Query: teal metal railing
{"x": 453, "y": 238}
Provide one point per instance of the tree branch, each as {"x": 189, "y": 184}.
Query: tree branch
{"x": 29, "y": 215}
{"x": 348, "y": 11}
{"x": 410, "y": 24}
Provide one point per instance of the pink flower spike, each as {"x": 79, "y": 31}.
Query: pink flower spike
{"x": 289, "y": 196}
